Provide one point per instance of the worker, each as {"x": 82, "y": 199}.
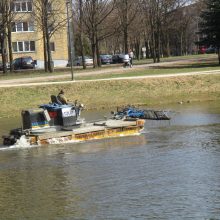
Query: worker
{"x": 61, "y": 97}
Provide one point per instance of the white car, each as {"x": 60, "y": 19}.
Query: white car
{"x": 88, "y": 61}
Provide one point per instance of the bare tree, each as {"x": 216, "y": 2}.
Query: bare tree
{"x": 127, "y": 11}
{"x": 78, "y": 17}
{"x": 3, "y": 32}
{"x": 95, "y": 14}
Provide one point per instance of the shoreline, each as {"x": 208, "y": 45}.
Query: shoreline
{"x": 150, "y": 92}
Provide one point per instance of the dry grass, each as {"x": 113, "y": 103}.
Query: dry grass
{"x": 105, "y": 94}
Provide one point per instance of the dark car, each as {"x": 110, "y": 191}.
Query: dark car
{"x": 106, "y": 59}
{"x": 211, "y": 50}
{"x": 118, "y": 58}
{"x": 23, "y": 63}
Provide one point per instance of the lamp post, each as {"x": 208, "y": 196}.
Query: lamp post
{"x": 69, "y": 39}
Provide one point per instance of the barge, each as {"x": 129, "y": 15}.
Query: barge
{"x": 54, "y": 124}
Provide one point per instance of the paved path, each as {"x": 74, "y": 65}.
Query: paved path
{"x": 36, "y": 81}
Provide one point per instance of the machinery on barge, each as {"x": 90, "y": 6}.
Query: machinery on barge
{"x": 134, "y": 112}
{"x": 54, "y": 123}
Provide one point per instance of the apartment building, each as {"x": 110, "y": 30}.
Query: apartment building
{"x": 27, "y": 37}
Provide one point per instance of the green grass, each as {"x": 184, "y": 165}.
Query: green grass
{"x": 106, "y": 94}
{"x": 147, "y": 72}
{"x": 200, "y": 61}
{"x": 176, "y": 58}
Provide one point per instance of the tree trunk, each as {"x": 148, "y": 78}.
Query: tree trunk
{"x": 158, "y": 46}
{"x": 47, "y": 39}
{"x": 181, "y": 44}
{"x": 98, "y": 53}
{"x": 94, "y": 53}
{"x": 158, "y": 40}
{"x": 3, "y": 34}
{"x": 45, "y": 53}
{"x": 126, "y": 40}
{"x": 219, "y": 56}
{"x": 81, "y": 33}
{"x": 49, "y": 57}
{"x": 153, "y": 49}
{"x": 97, "y": 49}
{"x": 126, "y": 27}
{"x": 10, "y": 48}
{"x": 147, "y": 49}
{"x": 137, "y": 49}
{"x": 167, "y": 46}
{"x": 4, "y": 51}
{"x": 9, "y": 19}
{"x": 82, "y": 51}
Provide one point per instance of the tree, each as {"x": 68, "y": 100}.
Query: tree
{"x": 81, "y": 32}
{"x": 127, "y": 11}
{"x": 154, "y": 15}
{"x": 7, "y": 17}
{"x": 97, "y": 26}
{"x": 3, "y": 33}
{"x": 50, "y": 17}
{"x": 210, "y": 25}
{"x": 79, "y": 35}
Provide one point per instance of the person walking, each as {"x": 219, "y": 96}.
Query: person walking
{"x": 131, "y": 56}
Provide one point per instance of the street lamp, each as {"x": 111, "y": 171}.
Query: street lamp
{"x": 69, "y": 38}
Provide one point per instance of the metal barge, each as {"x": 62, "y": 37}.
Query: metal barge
{"x": 55, "y": 124}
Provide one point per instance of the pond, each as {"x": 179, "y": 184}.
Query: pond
{"x": 171, "y": 171}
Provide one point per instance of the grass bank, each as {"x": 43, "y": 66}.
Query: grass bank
{"x": 105, "y": 94}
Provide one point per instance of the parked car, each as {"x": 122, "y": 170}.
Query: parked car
{"x": 23, "y": 63}
{"x": 106, "y": 59}
{"x": 202, "y": 50}
{"x": 211, "y": 50}
{"x": 78, "y": 61}
{"x": 118, "y": 58}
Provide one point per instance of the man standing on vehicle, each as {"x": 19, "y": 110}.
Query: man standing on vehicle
{"x": 61, "y": 97}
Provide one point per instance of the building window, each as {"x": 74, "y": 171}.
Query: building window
{"x": 17, "y": 6}
{"x": 23, "y": 6}
{"x": 32, "y": 46}
{"x": 23, "y": 46}
{"x": 14, "y": 46}
{"x": 49, "y": 7}
{"x": 19, "y": 27}
{"x": 22, "y": 26}
{"x": 30, "y": 26}
{"x": 20, "y": 46}
{"x": 29, "y": 6}
{"x": 50, "y": 28}
{"x": 52, "y": 46}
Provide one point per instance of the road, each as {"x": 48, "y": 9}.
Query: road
{"x": 35, "y": 81}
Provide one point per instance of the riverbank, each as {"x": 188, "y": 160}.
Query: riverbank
{"x": 152, "y": 92}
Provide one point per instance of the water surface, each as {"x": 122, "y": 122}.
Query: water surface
{"x": 171, "y": 171}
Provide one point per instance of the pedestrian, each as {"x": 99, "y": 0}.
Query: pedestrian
{"x": 131, "y": 56}
{"x": 126, "y": 61}
{"x": 61, "y": 97}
